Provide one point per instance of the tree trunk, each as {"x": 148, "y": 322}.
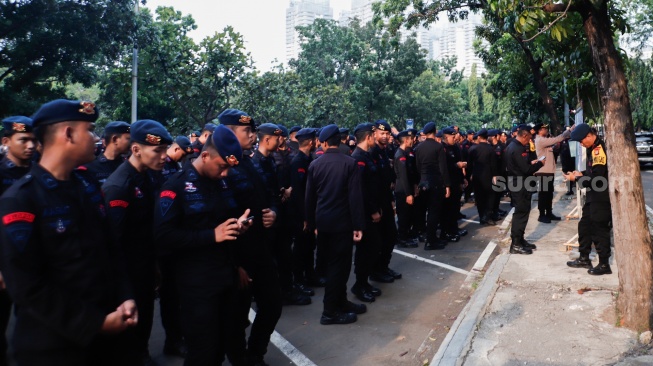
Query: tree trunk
{"x": 630, "y": 225}
{"x": 542, "y": 88}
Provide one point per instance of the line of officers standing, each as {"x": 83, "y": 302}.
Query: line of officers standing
{"x": 212, "y": 224}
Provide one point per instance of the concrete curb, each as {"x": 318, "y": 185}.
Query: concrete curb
{"x": 458, "y": 340}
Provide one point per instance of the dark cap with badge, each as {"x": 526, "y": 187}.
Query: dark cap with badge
{"x": 150, "y": 132}
{"x": 17, "y": 124}
{"x": 439, "y": 134}
{"x": 580, "y": 132}
{"x": 382, "y": 125}
{"x": 429, "y": 128}
{"x": 269, "y": 129}
{"x": 524, "y": 127}
{"x": 184, "y": 144}
{"x": 540, "y": 126}
{"x": 328, "y": 132}
{"x": 470, "y": 132}
{"x": 449, "y": 131}
{"x": 493, "y": 132}
{"x": 63, "y": 110}
{"x": 209, "y": 127}
{"x": 364, "y": 127}
{"x": 116, "y": 128}
{"x": 305, "y": 134}
{"x": 284, "y": 131}
{"x": 481, "y": 133}
{"x": 195, "y": 134}
{"x": 405, "y": 133}
{"x": 294, "y": 129}
{"x": 235, "y": 117}
{"x": 226, "y": 142}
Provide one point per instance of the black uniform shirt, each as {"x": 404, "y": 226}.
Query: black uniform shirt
{"x": 597, "y": 171}
{"x": 334, "y": 199}
{"x": 298, "y": 176}
{"x": 101, "y": 168}
{"x": 482, "y": 164}
{"x": 453, "y": 155}
{"x": 10, "y": 173}
{"x": 405, "y": 172}
{"x": 518, "y": 160}
{"x": 169, "y": 168}
{"x": 370, "y": 177}
{"x": 432, "y": 164}
{"x": 187, "y": 211}
{"x": 61, "y": 269}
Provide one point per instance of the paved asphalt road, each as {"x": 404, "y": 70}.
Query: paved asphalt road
{"x": 647, "y": 183}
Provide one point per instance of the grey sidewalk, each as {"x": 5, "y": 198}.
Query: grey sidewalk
{"x": 534, "y": 310}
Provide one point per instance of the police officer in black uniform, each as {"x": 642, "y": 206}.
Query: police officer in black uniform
{"x": 247, "y": 189}
{"x": 66, "y": 278}
{"x": 196, "y": 231}
{"x": 20, "y": 143}
{"x": 594, "y": 225}
{"x": 130, "y": 194}
{"x": 464, "y": 148}
{"x": 116, "y": 140}
{"x": 180, "y": 147}
{"x": 388, "y": 227}
{"x": 334, "y": 207}
{"x": 344, "y": 146}
{"x": 434, "y": 183}
{"x": 455, "y": 166}
{"x": 197, "y": 145}
{"x": 368, "y": 249}
{"x": 482, "y": 167}
{"x": 304, "y": 240}
{"x": 519, "y": 166}
{"x": 405, "y": 186}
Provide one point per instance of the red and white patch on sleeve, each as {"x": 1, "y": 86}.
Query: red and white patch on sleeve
{"x": 168, "y": 194}
{"x": 18, "y": 217}
{"x": 361, "y": 163}
{"x": 118, "y": 203}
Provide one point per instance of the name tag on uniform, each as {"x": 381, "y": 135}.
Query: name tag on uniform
{"x": 598, "y": 156}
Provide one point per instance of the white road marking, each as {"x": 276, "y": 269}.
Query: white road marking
{"x": 439, "y": 264}
{"x": 285, "y": 347}
{"x": 482, "y": 260}
{"x": 472, "y": 221}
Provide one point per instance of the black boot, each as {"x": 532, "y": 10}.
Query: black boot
{"x": 528, "y": 245}
{"x": 581, "y": 262}
{"x": 517, "y": 248}
{"x": 600, "y": 269}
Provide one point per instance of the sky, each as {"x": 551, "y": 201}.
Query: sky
{"x": 262, "y": 23}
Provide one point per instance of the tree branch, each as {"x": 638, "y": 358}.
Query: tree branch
{"x": 551, "y": 6}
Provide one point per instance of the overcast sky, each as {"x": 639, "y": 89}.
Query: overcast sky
{"x": 261, "y": 22}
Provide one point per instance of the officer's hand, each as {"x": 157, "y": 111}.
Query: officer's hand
{"x": 376, "y": 217}
{"x": 448, "y": 193}
{"x": 269, "y": 217}
{"x": 305, "y": 229}
{"x": 130, "y": 312}
{"x": 285, "y": 194}
{"x": 358, "y": 236}
{"x": 114, "y": 323}
{"x": 494, "y": 181}
{"x": 410, "y": 200}
{"x": 228, "y": 230}
{"x": 244, "y": 222}
{"x": 243, "y": 278}
{"x": 3, "y": 285}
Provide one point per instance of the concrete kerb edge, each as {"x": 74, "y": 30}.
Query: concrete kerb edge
{"x": 458, "y": 341}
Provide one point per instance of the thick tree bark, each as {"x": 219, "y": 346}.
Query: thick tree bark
{"x": 632, "y": 239}
{"x": 542, "y": 87}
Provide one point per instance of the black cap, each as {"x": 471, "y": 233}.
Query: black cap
{"x": 328, "y": 132}
{"x": 62, "y": 110}
{"x": 270, "y": 129}
{"x": 294, "y": 129}
{"x": 364, "y": 127}
{"x": 580, "y": 132}
{"x": 481, "y": 133}
{"x": 382, "y": 125}
{"x": 116, "y": 128}
{"x": 184, "y": 144}
{"x": 227, "y": 144}
{"x": 150, "y": 132}
{"x": 449, "y": 131}
{"x": 235, "y": 117}
{"x": 429, "y": 128}
{"x": 305, "y": 134}
{"x": 17, "y": 124}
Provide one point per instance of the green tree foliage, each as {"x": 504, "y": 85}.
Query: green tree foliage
{"x": 474, "y": 91}
{"x": 46, "y": 44}
{"x": 641, "y": 93}
{"x": 181, "y": 83}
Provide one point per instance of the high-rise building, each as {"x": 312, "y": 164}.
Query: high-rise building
{"x": 457, "y": 39}
{"x": 303, "y": 13}
{"x": 362, "y": 9}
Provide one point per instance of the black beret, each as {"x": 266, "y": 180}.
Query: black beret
{"x": 470, "y": 132}
{"x": 270, "y": 129}
{"x": 328, "y": 132}
{"x": 294, "y": 129}
{"x": 116, "y": 128}
{"x": 429, "y": 128}
{"x": 234, "y": 117}
{"x": 382, "y": 125}
{"x": 17, "y": 124}
{"x": 305, "y": 134}
{"x": 524, "y": 127}
{"x": 184, "y": 144}
{"x": 344, "y": 131}
{"x": 150, "y": 132}
{"x": 365, "y": 127}
{"x": 514, "y": 129}
{"x": 227, "y": 144}
{"x": 439, "y": 134}
{"x": 406, "y": 133}
{"x": 481, "y": 133}
{"x": 62, "y": 110}
{"x": 449, "y": 131}
{"x": 580, "y": 132}
{"x": 195, "y": 134}
{"x": 493, "y": 132}
{"x": 413, "y": 130}
{"x": 284, "y": 131}
{"x": 209, "y": 127}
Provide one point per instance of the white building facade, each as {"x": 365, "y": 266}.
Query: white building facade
{"x": 303, "y": 13}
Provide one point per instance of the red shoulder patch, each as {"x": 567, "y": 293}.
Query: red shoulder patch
{"x": 81, "y": 167}
{"x": 18, "y": 217}
{"x": 361, "y": 163}
{"x": 301, "y": 170}
{"x": 403, "y": 158}
{"x": 524, "y": 154}
{"x": 319, "y": 152}
{"x": 168, "y": 194}
{"x": 118, "y": 203}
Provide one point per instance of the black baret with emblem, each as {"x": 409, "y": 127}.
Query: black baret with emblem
{"x": 150, "y": 132}
{"x": 62, "y": 110}
{"x": 116, "y": 128}
{"x": 269, "y": 129}
{"x": 235, "y": 117}
{"x": 16, "y": 124}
